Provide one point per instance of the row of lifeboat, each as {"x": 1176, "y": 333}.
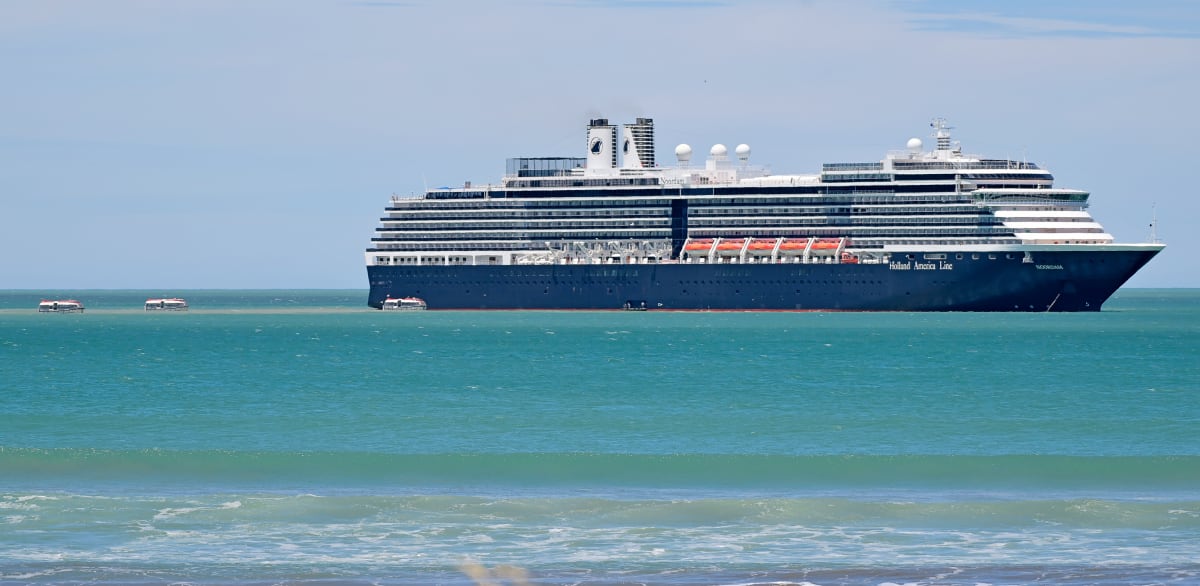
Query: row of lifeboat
{"x": 704, "y": 246}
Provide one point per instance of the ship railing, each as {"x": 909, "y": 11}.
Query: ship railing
{"x": 900, "y": 160}
{"x": 852, "y": 167}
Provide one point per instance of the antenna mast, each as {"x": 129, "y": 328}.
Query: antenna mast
{"x": 941, "y": 133}
{"x": 1154, "y": 223}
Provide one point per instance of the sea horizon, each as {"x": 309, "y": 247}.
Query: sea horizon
{"x": 119, "y": 298}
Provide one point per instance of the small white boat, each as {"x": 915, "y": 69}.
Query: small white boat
{"x": 403, "y": 304}
{"x": 60, "y": 306}
{"x": 165, "y": 304}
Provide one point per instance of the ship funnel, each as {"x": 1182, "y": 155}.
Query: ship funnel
{"x": 638, "y": 148}
{"x": 601, "y": 140}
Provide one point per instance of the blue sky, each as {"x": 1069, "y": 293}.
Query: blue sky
{"x": 253, "y": 144}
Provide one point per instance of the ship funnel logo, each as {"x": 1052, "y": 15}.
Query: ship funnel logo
{"x": 597, "y": 146}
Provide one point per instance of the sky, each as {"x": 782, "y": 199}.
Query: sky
{"x": 212, "y": 144}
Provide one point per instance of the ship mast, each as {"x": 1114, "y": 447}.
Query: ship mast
{"x": 1154, "y": 223}
{"x": 941, "y": 133}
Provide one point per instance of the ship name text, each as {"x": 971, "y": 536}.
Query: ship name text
{"x": 940, "y": 265}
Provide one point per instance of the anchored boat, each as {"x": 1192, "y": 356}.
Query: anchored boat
{"x": 920, "y": 230}
{"x": 403, "y": 304}
{"x": 60, "y": 306}
{"x": 166, "y": 304}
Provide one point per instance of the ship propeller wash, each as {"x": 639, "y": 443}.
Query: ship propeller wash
{"x": 920, "y": 230}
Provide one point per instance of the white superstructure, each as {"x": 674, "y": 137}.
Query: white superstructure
{"x": 606, "y": 209}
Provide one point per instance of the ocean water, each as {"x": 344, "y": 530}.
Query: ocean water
{"x": 277, "y": 437}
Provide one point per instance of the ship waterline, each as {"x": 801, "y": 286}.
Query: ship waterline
{"x": 917, "y": 231}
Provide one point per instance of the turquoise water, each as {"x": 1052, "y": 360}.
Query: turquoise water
{"x": 298, "y": 437}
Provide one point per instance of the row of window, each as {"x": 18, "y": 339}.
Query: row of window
{"x": 852, "y": 167}
{"x": 754, "y": 221}
{"x": 989, "y": 197}
{"x": 495, "y": 240}
{"x": 554, "y": 236}
{"x": 856, "y": 177}
{"x": 958, "y": 256}
{"x": 1040, "y": 178}
{"x": 889, "y": 235}
{"x": 526, "y": 225}
{"x": 834, "y": 210}
{"x": 491, "y": 204}
{"x": 709, "y": 196}
{"x": 643, "y": 230}
{"x": 611, "y": 212}
{"x": 694, "y": 210}
{"x": 580, "y": 182}
{"x": 605, "y": 191}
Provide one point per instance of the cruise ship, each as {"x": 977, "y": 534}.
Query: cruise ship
{"x": 923, "y": 229}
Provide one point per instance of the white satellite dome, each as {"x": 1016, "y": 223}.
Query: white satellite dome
{"x": 718, "y": 150}
{"x": 915, "y": 144}
{"x": 683, "y": 152}
{"x": 742, "y": 151}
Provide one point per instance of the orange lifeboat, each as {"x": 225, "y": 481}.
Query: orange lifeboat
{"x": 762, "y": 245}
{"x": 794, "y": 245}
{"x": 731, "y": 245}
{"x": 701, "y": 245}
{"x": 825, "y": 244}
{"x": 849, "y": 259}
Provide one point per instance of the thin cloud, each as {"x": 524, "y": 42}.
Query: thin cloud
{"x": 650, "y": 3}
{"x": 991, "y": 24}
{"x": 1099, "y": 19}
{"x": 381, "y": 4}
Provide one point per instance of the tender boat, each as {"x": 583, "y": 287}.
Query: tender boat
{"x": 60, "y": 306}
{"x": 403, "y": 304}
{"x": 171, "y": 304}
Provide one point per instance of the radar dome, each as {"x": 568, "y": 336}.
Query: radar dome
{"x": 915, "y": 144}
{"x": 683, "y": 152}
{"x": 742, "y": 151}
{"x": 718, "y": 150}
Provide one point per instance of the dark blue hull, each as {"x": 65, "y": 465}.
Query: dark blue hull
{"x": 1055, "y": 281}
